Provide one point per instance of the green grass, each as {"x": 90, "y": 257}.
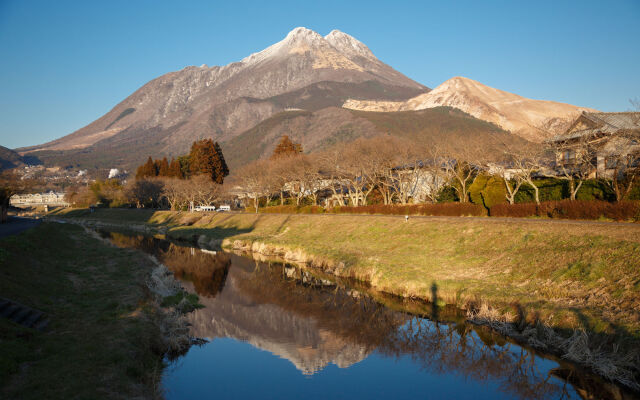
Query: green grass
{"x": 101, "y": 341}
{"x": 191, "y": 301}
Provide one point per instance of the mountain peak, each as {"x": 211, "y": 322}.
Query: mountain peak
{"x": 348, "y": 45}
{"x": 299, "y": 40}
{"x": 302, "y": 32}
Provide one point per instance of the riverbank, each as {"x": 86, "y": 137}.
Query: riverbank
{"x": 569, "y": 275}
{"x": 106, "y": 336}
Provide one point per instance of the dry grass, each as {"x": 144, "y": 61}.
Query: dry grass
{"x": 579, "y": 273}
{"x": 107, "y": 331}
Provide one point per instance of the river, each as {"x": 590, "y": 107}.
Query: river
{"x": 280, "y": 331}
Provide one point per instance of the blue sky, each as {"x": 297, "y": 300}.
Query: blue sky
{"x": 66, "y": 63}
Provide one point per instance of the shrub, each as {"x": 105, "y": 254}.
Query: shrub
{"x": 291, "y": 209}
{"x": 550, "y": 189}
{"x": 595, "y": 189}
{"x": 447, "y": 194}
{"x": 567, "y": 209}
{"x": 488, "y": 191}
{"x": 442, "y": 209}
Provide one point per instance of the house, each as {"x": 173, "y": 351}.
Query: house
{"x": 597, "y": 141}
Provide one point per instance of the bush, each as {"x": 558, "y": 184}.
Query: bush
{"x": 567, "y": 209}
{"x": 488, "y": 191}
{"x": 442, "y": 209}
{"x": 595, "y": 189}
{"x": 550, "y": 189}
{"x": 448, "y": 194}
{"x": 291, "y": 209}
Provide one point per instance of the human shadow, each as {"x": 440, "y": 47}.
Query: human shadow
{"x": 434, "y": 301}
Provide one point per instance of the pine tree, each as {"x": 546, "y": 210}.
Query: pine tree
{"x": 223, "y": 168}
{"x": 163, "y": 167}
{"x": 286, "y": 147}
{"x": 147, "y": 169}
{"x": 174, "y": 169}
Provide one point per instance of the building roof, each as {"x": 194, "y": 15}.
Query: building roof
{"x": 603, "y": 123}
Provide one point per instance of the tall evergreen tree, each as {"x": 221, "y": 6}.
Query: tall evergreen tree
{"x": 174, "y": 169}
{"x": 163, "y": 167}
{"x": 147, "y": 169}
{"x": 206, "y": 158}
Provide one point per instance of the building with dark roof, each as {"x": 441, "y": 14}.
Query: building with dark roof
{"x": 599, "y": 139}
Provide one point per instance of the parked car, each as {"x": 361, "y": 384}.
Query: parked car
{"x": 224, "y": 208}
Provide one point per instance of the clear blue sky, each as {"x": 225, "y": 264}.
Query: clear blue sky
{"x": 65, "y": 63}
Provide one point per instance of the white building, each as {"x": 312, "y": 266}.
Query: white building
{"x": 38, "y": 199}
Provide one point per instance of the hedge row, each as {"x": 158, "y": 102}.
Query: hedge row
{"x": 289, "y": 209}
{"x": 567, "y": 209}
{"x": 440, "y": 209}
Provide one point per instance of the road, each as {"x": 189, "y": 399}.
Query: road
{"x": 15, "y": 225}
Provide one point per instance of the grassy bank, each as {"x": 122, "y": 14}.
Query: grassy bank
{"x": 573, "y": 274}
{"x": 104, "y": 338}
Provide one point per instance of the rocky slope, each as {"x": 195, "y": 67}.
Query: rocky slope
{"x": 304, "y": 70}
{"x": 534, "y": 120}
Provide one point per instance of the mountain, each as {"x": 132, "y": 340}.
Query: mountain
{"x": 163, "y": 117}
{"x": 320, "y": 129}
{"x": 534, "y": 120}
{"x": 10, "y": 159}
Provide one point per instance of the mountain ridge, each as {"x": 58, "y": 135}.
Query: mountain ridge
{"x": 534, "y": 120}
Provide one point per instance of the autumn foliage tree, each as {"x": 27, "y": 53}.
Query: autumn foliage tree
{"x": 286, "y": 148}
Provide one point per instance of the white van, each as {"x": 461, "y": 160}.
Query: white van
{"x": 224, "y": 208}
{"x": 204, "y": 208}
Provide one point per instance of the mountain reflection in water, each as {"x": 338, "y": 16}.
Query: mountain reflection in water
{"x": 313, "y": 321}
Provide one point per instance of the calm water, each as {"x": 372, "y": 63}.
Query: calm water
{"x": 279, "y": 332}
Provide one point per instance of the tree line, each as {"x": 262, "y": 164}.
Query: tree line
{"x": 377, "y": 170}
{"x": 195, "y": 178}
{"x": 205, "y": 158}
{"x": 392, "y": 170}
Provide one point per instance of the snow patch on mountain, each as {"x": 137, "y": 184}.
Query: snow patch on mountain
{"x": 348, "y": 45}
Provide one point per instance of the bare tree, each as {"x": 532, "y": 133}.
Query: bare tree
{"x": 254, "y": 181}
{"x": 434, "y": 172}
{"x": 576, "y": 161}
{"x": 145, "y": 192}
{"x": 174, "y": 190}
{"x": 332, "y": 164}
{"x": 362, "y": 167}
{"x": 206, "y": 191}
{"x": 462, "y": 172}
{"x": 622, "y": 154}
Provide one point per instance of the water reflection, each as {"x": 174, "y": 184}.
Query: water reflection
{"x": 312, "y": 321}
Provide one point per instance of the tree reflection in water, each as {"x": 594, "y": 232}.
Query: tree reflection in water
{"x": 304, "y": 309}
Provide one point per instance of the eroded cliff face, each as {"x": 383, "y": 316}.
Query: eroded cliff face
{"x": 534, "y": 120}
{"x": 221, "y": 101}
